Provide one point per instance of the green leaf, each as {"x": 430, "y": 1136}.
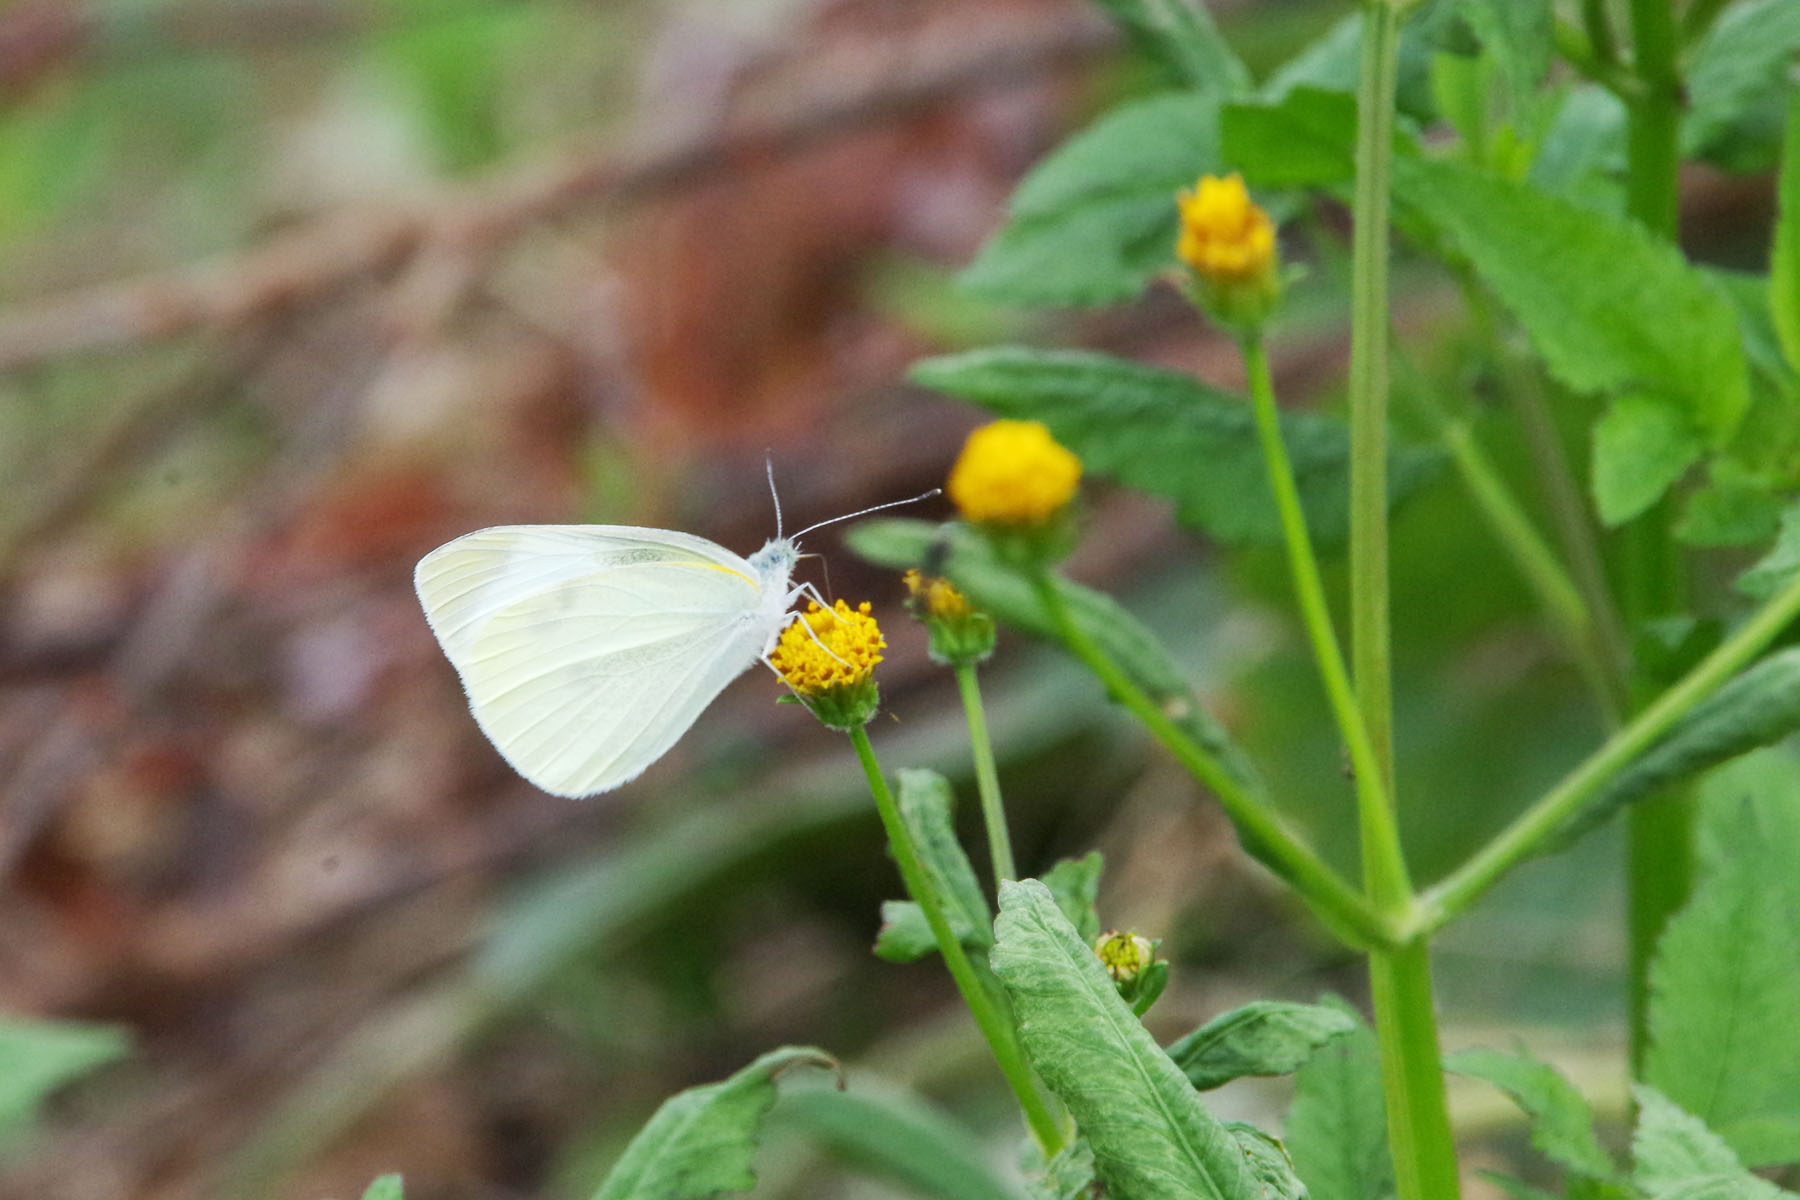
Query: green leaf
{"x": 1151, "y": 1136}
{"x": 1516, "y": 34}
{"x": 1609, "y": 307}
{"x": 1068, "y": 1176}
{"x": 927, "y": 807}
{"x": 1265, "y": 1037}
{"x": 1642, "y": 445}
{"x": 896, "y": 1137}
{"x": 1582, "y": 152}
{"x": 1757, "y": 708}
{"x": 1075, "y": 883}
{"x": 386, "y": 1187}
{"x": 1150, "y": 428}
{"x": 1306, "y": 138}
{"x": 1679, "y": 1158}
{"x": 1180, "y": 35}
{"x": 1736, "y": 507}
{"x": 1562, "y": 1124}
{"x": 1002, "y": 591}
{"x": 37, "y": 1057}
{"x": 1270, "y": 1166}
{"x": 1739, "y": 62}
{"x": 1725, "y": 983}
{"x": 1094, "y": 222}
{"x": 1784, "y": 260}
{"x": 1777, "y": 567}
{"x": 1337, "y": 1126}
{"x": 700, "y": 1142}
{"x": 905, "y": 935}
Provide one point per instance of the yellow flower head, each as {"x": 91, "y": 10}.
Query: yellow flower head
{"x": 1013, "y": 473}
{"x": 1225, "y": 236}
{"x": 828, "y": 650}
{"x": 1125, "y": 956}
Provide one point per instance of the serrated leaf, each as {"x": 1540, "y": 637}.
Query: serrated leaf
{"x": 1151, "y": 428}
{"x": 1678, "y": 1158}
{"x": 1337, "y": 1125}
{"x": 1784, "y": 259}
{"x": 37, "y": 1057}
{"x": 895, "y": 1136}
{"x": 1095, "y": 221}
{"x": 1271, "y": 1170}
{"x": 1152, "y": 1137}
{"x": 1075, "y": 884}
{"x": 1562, "y": 1124}
{"x": 1306, "y": 138}
{"x": 700, "y": 1142}
{"x": 1725, "y": 982}
{"x": 385, "y": 1187}
{"x": 1642, "y": 445}
{"x": 1737, "y": 64}
{"x": 1265, "y": 1037}
{"x": 1610, "y": 308}
{"x": 967, "y": 559}
{"x": 1181, "y": 36}
{"x": 1757, "y": 708}
{"x": 1773, "y": 571}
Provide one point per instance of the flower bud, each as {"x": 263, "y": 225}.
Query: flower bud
{"x": 1228, "y": 242}
{"x": 960, "y": 633}
{"x": 1130, "y": 959}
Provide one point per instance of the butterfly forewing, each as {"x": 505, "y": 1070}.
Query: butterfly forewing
{"x": 587, "y": 651}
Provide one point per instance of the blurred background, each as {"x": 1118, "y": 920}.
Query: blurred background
{"x": 292, "y": 291}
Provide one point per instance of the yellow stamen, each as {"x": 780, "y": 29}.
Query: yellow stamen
{"x": 828, "y": 649}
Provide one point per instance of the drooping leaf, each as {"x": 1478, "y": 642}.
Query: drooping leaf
{"x": 1075, "y": 883}
{"x": 1151, "y": 1136}
{"x": 1270, "y": 1167}
{"x": 1337, "y": 1126}
{"x": 1094, "y": 222}
{"x": 1642, "y": 445}
{"x": 1784, "y": 260}
{"x": 1725, "y": 983}
{"x": 969, "y": 561}
{"x": 37, "y": 1057}
{"x": 1264, "y": 1037}
{"x": 1757, "y": 708}
{"x": 1181, "y": 36}
{"x": 1306, "y": 138}
{"x": 1678, "y": 1158}
{"x": 700, "y": 1142}
{"x": 1610, "y": 308}
{"x": 1149, "y": 428}
{"x": 385, "y": 1187}
{"x": 894, "y": 1136}
{"x": 1562, "y": 1124}
{"x": 1738, "y": 63}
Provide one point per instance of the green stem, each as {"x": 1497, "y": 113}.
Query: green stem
{"x": 1537, "y": 562}
{"x": 987, "y": 778}
{"x": 995, "y": 1026}
{"x": 1528, "y": 833}
{"x": 1659, "y": 833}
{"x": 1335, "y": 901}
{"x": 1418, "y": 1115}
{"x": 1380, "y": 838}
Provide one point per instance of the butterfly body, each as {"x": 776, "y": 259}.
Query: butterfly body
{"x": 588, "y": 650}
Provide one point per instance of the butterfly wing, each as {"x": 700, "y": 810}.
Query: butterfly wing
{"x": 588, "y": 650}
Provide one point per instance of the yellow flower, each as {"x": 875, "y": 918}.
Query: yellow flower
{"x": 1225, "y": 236}
{"x": 960, "y": 633}
{"x": 828, "y": 658}
{"x": 1013, "y": 473}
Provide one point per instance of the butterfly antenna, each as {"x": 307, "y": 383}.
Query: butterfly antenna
{"x": 863, "y": 512}
{"x": 769, "y": 470}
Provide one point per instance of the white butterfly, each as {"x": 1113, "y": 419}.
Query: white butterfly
{"x": 588, "y": 650}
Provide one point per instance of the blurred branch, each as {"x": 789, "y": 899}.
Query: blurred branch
{"x": 476, "y": 221}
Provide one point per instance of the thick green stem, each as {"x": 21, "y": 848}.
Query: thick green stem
{"x": 1380, "y": 838}
{"x": 1544, "y": 819}
{"x": 1659, "y": 833}
{"x": 1369, "y": 632}
{"x": 1418, "y": 1115}
{"x": 995, "y": 1025}
{"x": 1337, "y": 904}
{"x": 987, "y": 778}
